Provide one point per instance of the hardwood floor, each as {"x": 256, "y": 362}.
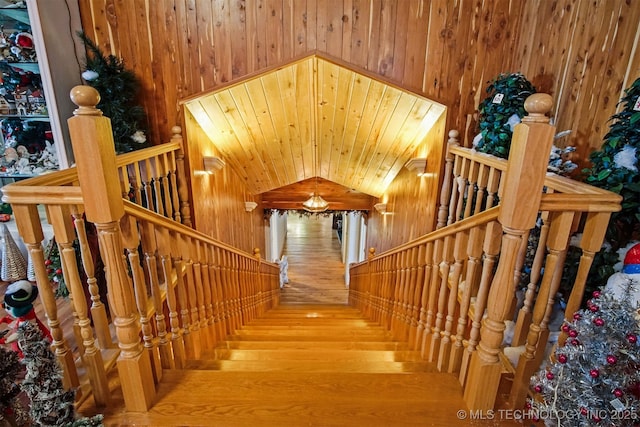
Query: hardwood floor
{"x": 316, "y": 271}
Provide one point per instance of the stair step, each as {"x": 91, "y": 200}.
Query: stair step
{"x": 310, "y": 366}
{"x": 323, "y": 355}
{"x": 306, "y": 336}
{"x": 312, "y": 345}
{"x": 266, "y": 399}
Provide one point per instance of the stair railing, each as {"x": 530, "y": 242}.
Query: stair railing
{"x": 172, "y": 291}
{"x": 449, "y": 293}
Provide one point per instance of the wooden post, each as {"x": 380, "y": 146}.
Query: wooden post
{"x": 92, "y": 141}
{"x": 523, "y": 183}
{"x": 183, "y": 189}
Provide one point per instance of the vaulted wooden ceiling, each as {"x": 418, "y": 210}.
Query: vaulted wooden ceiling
{"x": 315, "y": 118}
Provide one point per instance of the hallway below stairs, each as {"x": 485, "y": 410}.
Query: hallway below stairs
{"x": 311, "y": 361}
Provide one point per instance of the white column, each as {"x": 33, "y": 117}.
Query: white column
{"x": 351, "y": 238}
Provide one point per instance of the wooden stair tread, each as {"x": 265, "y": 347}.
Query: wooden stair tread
{"x": 310, "y": 366}
{"x": 333, "y": 355}
{"x": 312, "y": 345}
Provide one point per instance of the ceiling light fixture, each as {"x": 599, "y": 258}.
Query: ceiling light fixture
{"x": 212, "y": 164}
{"x": 381, "y": 208}
{"x": 419, "y": 165}
{"x": 315, "y": 203}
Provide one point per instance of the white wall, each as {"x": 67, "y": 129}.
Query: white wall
{"x": 275, "y": 236}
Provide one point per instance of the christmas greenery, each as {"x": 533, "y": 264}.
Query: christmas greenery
{"x": 51, "y": 405}
{"x": 118, "y": 88}
{"x": 595, "y": 379}
{"x": 500, "y": 111}
{"x": 12, "y": 408}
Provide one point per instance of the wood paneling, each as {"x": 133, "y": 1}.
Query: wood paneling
{"x": 314, "y": 117}
{"x": 583, "y": 52}
{"x": 219, "y": 198}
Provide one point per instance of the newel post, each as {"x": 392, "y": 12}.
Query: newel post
{"x": 93, "y": 148}
{"x": 524, "y": 180}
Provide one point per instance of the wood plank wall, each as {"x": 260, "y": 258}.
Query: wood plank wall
{"x": 583, "y": 52}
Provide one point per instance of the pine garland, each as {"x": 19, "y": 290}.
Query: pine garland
{"x": 12, "y": 410}
{"x": 118, "y": 88}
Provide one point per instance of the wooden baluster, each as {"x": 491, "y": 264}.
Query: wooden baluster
{"x": 483, "y": 179}
{"x": 125, "y": 185}
{"x": 104, "y": 208}
{"x": 453, "y": 198}
{"x": 557, "y": 241}
{"x": 492, "y": 187}
{"x": 491, "y": 249}
{"x": 218, "y": 296}
{"x": 418, "y": 261}
{"x": 207, "y": 324}
{"x": 409, "y": 289}
{"x": 131, "y": 241}
{"x": 200, "y": 302}
{"x": 30, "y": 229}
{"x": 471, "y": 188}
{"x": 463, "y": 183}
{"x": 592, "y": 237}
{"x": 524, "y": 315}
{"x": 260, "y": 309}
{"x": 517, "y": 272}
{"x": 237, "y": 293}
{"x": 177, "y": 344}
{"x": 173, "y": 183}
{"x": 136, "y": 184}
{"x": 98, "y": 309}
{"x": 459, "y": 255}
{"x": 443, "y": 289}
{"x": 183, "y": 190}
{"x": 181, "y": 293}
{"x": 150, "y": 248}
{"x": 392, "y": 283}
{"x": 433, "y": 296}
{"x": 424, "y": 293}
{"x": 228, "y": 291}
{"x": 191, "y": 301}
{"x": 165, "y": 185}
{"x": 447, "y": 180}
{"x": 156, "y": 173}
{"x": 142, "y": 189}
{"x": 398, "y": 289}
{"x": 523, "y": 183}
{"x": 145, "y": 169}
{"x": 474, "y": 252}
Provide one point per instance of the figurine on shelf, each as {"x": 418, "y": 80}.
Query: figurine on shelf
{"x": 18, "y": 302}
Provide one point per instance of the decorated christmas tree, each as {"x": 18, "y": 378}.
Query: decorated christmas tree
{"x": 118, "y": 88}
{"x": 51, "y": 404}
{"x": 595, "y": 379}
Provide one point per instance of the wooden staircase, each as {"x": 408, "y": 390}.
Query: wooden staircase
{"x": 304, "y": 365}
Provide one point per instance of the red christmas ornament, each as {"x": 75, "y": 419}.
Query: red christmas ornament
{"x": 573, "y": 333}
{"x": 618, "y": 392}
{"x": 59, "y": 271}
{"x": 537, "y": 388}
{"x": 577, "y": 316}
{"x": 596, "y": 418}
{"x": 584, "y": 411}
{"x": 593, "y": 308}
{"x": 550, "y": 375}
{"x": 48, "y": 262}
{"x": 611, "y": 359}
{"x": 575, "y": 343}
{"x": 598, "y": 321}
{"x": 562, "y": 358}
{"x": 527, "y": 405}
{"x": 596, "y": 294}
{"x": 594, "y": 373}
{"x": 566, "y": 328}
{"x": 632, "y": 338}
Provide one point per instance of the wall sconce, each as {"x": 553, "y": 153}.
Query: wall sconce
{"x": 212, "y": 164}
{"x": 418, "y": 165}
{"x": 381, "y": 208}
{"x": 249, "y": 206}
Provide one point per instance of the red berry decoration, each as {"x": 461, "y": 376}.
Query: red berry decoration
{"x": 537, "y": 388}
{"x": 49, "y": 270}
{"x": 566, "y": 328}
{"x": 632, "y": 338}
{"x": 573, "y": 333}
{"x": 611, "y": 359}
{"x": 562, "y": 358}
{"x": 596, "y": 294}
{"x": 596, "y": 418}
{"x": 48, "y": 262}
{"x": 575, "y": 343}
{"x": 598, "y": 321}
{"x": 618, "y": 392}
{"x": 550, "y": 375}
{"x": 59, "y": 271}
{"x": 527, "y": 405}
{"x": 584, "y": 411}
{"x": 594, "y": 373}
{"x": 594, "y": 308}
{"x": 577, "y": 316}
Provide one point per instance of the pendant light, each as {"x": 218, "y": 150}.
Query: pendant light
{"x": 315, "y": 203}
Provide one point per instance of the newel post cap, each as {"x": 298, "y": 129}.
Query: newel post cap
{"x": 86, "y": 98}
